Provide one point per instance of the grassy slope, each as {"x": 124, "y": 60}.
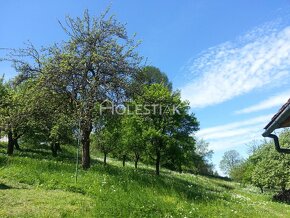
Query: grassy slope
{"x": 35, "y": 185}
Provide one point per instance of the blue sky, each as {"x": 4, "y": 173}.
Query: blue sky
{"x": 229, "y": 58}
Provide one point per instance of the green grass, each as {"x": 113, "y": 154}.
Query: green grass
{"x": 33, "y": 184}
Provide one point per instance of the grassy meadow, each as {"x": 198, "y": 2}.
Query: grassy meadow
{"x": 33, "y": 184}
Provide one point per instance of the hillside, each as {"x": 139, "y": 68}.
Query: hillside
{"x": 33, "y": 184}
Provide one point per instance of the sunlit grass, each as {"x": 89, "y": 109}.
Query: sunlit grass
{"x": 35, "y": 184}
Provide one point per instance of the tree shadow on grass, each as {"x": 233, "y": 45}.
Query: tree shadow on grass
{"x": 282, "y": 197}
{"x": 3, "y": 186}
{"x": 45, "y": 154}
{"x": 42, "y": 152}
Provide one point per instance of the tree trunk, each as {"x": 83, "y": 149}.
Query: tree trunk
{"x": 53, "y": 149}
{"x": 16, "y": 144}
{"x": 86, "y": 131}
{"x": 179, "y": 168}
{"x": 86, "y": 160}
{"x": 57, "y": 146}
{"x": 15, "y": 140}
{"x": 261, "y": 189}
{"x": 124, "y": 160}
{"x": 105, "y": 158}
{"x": 136, "y": 160}
{"x": 158, "y": 157}
{"x": 10, "y": 146}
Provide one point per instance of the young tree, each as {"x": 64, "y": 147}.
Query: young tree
{"x": 132, "y": 137}
{"x": 108, "y": 134}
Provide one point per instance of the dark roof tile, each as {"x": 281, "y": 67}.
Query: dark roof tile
{"x": 278, "y": 113}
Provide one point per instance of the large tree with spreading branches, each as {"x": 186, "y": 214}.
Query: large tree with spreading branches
{"x": 94, "y": 64}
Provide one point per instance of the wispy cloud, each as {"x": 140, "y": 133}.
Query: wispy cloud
{"x": 273, "y": 101}
{"x": 233, "y": 134}
{"x": 222, "y": 129}
{"x": 254, "y": 60}
{"x": 232, "y": 143}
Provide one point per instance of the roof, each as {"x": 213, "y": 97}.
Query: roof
{"x": 280, "y": 119}
{"x": 278, "y": 113}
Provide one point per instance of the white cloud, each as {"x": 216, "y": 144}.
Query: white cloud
{"x": 227, "y": 136}
{"x": 273, "y": 101}
{"x": 255, "y": 60}
{"x": 232, "y": 143}
{"x": 221, "y": 129}
{"x": 233, "y": 132}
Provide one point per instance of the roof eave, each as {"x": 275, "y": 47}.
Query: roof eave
{"x": 278, "y": 122}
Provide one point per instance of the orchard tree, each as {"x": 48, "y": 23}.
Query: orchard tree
{"x": 133, "y": 140}
{"x": 48, "y": 119}
{"x": 94, "y": 64}
{"x": 13, "y": 114}
{"x": 182, "y": 144}
{"x": 61, "y": 132}
{"x": 272, "y": 169}
{"x": 166, "y": 120}
{"x": 3, "y": 93}
{"x": 180, "y": 153}
{"x": 108, "y": 134}
{"x": 243, "y": 172}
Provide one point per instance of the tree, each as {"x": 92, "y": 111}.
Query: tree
{"x": 253, "y": 146}
{"x": 202, "y": 157}
{"x": 180, "y": 155}
{"x": 166, "y": 120}
{"x": 4, "y": 108}
{"x": 230, "y": 160}
{"x": 243, "y": 172}
{"x": 265, "y": 167}
{"x": 133, "y": 142}
{"x": 147, "y": 76}
{"x": 108, "y": 134}
{"x": 13, "y": 114}
{"x": 93, "y": 65}
{"x": 272, "y": 168}
{"x": 61, "y": 132}
{"x": 47, "y": 118}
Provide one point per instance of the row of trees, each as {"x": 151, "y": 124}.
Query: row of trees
{"x": 156, "y": 130}
{"x": 265, "y": 167}
{"x": 69, "y": 87}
